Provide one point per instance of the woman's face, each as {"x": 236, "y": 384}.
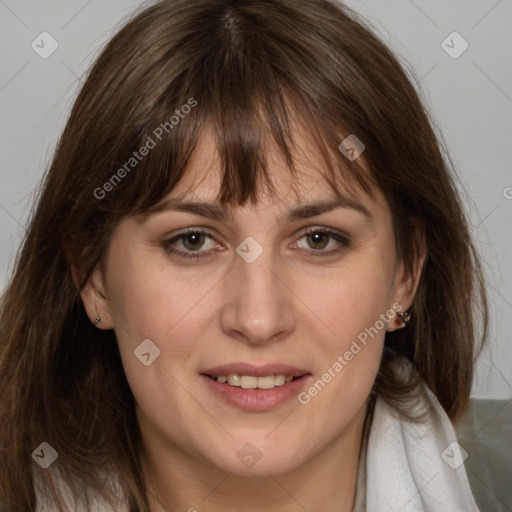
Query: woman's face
{"x": 253, "y": 295}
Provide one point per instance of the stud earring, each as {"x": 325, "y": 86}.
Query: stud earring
{"x": 405, "y": 316}
{"x": 97, "y": 320}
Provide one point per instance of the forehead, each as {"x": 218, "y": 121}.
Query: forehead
{"x": 307, "y": 182}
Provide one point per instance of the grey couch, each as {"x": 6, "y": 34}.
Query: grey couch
{"x": 485, "y": 432}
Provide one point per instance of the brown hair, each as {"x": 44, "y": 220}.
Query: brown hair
{"x": 252, "y": 66}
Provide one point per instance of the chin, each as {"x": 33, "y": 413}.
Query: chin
{"x": 266, "y": 466}
{"x": 258, "y": 458}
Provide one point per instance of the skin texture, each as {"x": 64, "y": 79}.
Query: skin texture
{"x": 288, "y": 306}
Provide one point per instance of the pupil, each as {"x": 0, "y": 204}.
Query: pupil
{"x": 317, "y": 239}
{"x": 193, "y": 239}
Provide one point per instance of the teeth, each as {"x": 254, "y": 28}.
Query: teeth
{"x": 248, "y": 382}
{"x": 251, "y": 382}
{"x": 234, "y": 380}
{"x": 279, "y": 380}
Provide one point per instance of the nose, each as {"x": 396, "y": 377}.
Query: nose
{"x": 259, "y": 306}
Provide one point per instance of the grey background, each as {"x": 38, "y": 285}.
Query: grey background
{"x": 470, "y": 99}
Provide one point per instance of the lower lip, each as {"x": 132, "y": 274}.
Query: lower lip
{"x": 257, "y": 399}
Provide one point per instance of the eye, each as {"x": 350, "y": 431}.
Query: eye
{"x": 318, "y": 239}
{"x": 192, "y": 240}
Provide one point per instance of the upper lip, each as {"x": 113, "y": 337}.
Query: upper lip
{"x": 256, "y": 371}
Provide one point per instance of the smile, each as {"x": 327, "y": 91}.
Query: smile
{"x": 255, "y": 388}
{"x": 253, "y": 382}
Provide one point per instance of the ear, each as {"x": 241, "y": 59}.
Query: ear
{"x": 93, "y": 293}
{"x": 405, "y": 284}
{"x": 95, "y": 300}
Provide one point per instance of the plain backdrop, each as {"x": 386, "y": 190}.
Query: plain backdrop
{"x": 469, "y": 97}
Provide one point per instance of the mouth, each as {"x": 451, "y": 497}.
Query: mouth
{"x": 255, "y": 388}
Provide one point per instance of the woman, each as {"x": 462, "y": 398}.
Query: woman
{"x": 248, "y": 282}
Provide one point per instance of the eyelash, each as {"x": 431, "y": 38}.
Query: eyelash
{"x": 343, "y": 240}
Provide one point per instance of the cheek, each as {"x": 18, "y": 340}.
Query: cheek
{"x": 350, "y": 302}
{"x": 148, "y": 303}
{"x": 352, "y": 298}
{"x": 145, "y": 299}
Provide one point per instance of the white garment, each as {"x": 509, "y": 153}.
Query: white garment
{"x": 415, "y": 467}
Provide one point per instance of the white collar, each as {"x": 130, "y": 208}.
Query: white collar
{"x": 415, "y": 467}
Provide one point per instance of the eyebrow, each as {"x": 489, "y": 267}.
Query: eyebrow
{"x": 302, "y": 211}
{"x": 307, "y": 210}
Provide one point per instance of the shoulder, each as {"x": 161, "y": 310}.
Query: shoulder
{"x": 485, "y": 433}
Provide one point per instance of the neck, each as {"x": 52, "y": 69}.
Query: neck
{"x": 326, "y": 482}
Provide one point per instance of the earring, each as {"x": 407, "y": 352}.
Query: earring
{"x": 405, "y": 316}
{"x": 97, "y": 320}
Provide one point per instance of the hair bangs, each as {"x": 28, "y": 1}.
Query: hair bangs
{"x": 251, "y": 93}
{"x": 260, "y": 118}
